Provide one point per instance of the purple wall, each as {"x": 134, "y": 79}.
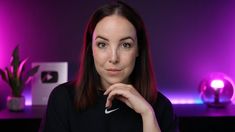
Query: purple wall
{"x": 189, "y": 38}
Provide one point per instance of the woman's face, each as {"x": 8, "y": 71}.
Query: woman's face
{"x": 114, "y": 47}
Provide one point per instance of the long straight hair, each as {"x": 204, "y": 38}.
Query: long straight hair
{"x": 142, "y": 77}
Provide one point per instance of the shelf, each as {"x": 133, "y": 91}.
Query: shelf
{"x": 192, "y": 118}
{"x": 200, "y": 118}
{"x": 30, "y": 112}
{"x": 201, "y": 110}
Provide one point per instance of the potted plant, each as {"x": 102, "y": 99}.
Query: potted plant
{"x": 17, "y": 77}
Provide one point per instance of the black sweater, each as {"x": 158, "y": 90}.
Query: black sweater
{"x": 61, "y": 115}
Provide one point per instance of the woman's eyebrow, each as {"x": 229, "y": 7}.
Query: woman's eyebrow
{"x": 128, "y": 37}
{"x": 100, "y": 37}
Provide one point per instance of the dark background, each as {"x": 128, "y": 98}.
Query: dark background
{"x": 189, "y": 38}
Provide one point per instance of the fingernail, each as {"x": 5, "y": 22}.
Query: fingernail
{"x": 105, "y": 93}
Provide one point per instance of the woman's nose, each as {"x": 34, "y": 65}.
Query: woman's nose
{"x": 114, "y": 59}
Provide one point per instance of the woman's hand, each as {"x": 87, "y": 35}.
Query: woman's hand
{"x": 130, "y": 96}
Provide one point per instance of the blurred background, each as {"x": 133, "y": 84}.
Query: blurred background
{"x": 189, "y": 38}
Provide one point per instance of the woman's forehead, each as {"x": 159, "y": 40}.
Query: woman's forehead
{"x": 114, "y": 26}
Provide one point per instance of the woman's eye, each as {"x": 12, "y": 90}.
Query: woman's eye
{"x": 101, "y": 45}
{"x": 126, "y": 45}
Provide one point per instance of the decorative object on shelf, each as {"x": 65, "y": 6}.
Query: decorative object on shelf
{"x": 217, "y": 90}
{"x": 17, "y": 77}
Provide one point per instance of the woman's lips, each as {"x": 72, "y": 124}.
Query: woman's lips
{"x": 113, "y": 71}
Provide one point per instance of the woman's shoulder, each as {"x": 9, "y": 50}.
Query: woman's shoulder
{"x": 162, "y": 99}
{"x": 163, "y": 106}
{"x": 165, "y": 113}
{"x": 63, "y": 90}
{"x": 67, "y": 86}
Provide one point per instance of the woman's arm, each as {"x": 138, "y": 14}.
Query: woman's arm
{"x": 150, "y": 123}
{"x": 131, "y": 97}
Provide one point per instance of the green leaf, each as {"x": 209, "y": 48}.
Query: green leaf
{"x": 30, "y": 73}
{"x": 21, "y": 68}
{"x": 15, "y": 60}
{"x": 15, "y": 75}
{"x": 4, "y": 75}
{"x": 10, "y": 78}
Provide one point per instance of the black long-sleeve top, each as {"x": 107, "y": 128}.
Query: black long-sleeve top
{"x": 62, "y": 116}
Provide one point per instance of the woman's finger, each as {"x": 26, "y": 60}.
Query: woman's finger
{"x": 117, "y": 85}
{"x": 113, "y": 94}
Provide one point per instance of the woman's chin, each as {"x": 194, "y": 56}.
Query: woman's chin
{"x": 110, "y": 81}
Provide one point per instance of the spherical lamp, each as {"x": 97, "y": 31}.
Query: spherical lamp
{"x": 216, "y": 90}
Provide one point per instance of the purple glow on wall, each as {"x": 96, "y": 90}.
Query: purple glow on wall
{"x": 28, "y": 100}
{"x": 189, "y": 38}
{"x": 202, "y": 42}
{"x": 183, "y": 99}
{"x": 2, "y": 25}
{"x": 1, "y": 53}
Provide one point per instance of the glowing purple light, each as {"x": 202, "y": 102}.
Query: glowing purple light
{"x": 217, "y": 84}
{"x": 217, "y": 90}
{"x": 184, "y": 101}
{"x": 28, "y": 96}
{"x": 28, "y": 100}
{"x": 179, "y": 98}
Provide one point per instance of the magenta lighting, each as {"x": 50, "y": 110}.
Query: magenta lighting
{"x": 217, "y": 84}
{"x": 217, "y": 90}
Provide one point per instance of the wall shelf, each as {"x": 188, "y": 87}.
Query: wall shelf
{"x": 200, "y": 118}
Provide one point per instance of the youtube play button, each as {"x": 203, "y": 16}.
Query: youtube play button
{"x": 49, "y": 76}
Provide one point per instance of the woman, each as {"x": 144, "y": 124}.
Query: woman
{"x": 115, "y": 90}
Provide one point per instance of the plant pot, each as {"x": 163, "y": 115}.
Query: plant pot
{"x": 15, "y": 103}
